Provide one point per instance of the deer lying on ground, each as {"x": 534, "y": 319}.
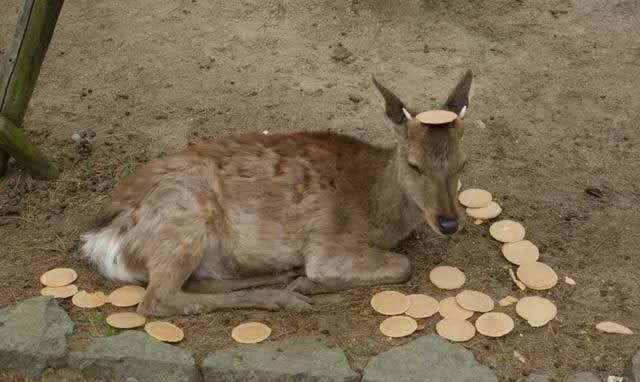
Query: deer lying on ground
{"x": 319, "y": 211}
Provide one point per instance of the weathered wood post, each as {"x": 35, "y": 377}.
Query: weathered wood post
{"x": 18, "y": 76}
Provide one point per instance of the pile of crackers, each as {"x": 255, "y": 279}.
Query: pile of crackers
{"x": 58, "y": 283}
{"x": 457, "y": 310}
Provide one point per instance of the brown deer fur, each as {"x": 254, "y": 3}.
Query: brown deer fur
{"x": 319, "y": 211}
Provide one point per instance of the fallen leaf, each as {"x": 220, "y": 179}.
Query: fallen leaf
{"x": 507, "y": 301}
{"x": 612, "y": 327}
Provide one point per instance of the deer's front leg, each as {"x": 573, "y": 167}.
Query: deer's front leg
{"x": 331, "y": 266}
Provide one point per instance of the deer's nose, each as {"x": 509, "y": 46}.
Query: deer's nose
{"x": 447, "y": 225}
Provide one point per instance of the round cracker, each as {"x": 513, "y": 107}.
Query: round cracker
{"x": 398, "y": 326}
{"x": 449, "y": 308}
{"x": 60, "y": 292}
{"x": 507, "y": 231}
{"x": 58, "y": 277}
{"x": 475, "y": 198}
{"x": 455, "y": 330}
{"x": 494, "y": 324}
{"x": 520, "y": 252}
{"x": 390, "y": 303}
{"x": 126, "y": 320}
{"x": 128, "y": 295}
{"x": 421, "y": 306}
{"x": 537, "y": 275}
{"x": 84, "y": 299}
{"x": 436, "y": 117}
{"x": 490, "y": 211}
{"x": 251, "y": 333}
{"x": 475, "y": 301}
{"x": 446, "y": 277}
{"x": 164, "y": 331}
{"x": 538, "y": 311}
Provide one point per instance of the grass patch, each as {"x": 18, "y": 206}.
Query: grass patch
{"x": 128, "y": 169}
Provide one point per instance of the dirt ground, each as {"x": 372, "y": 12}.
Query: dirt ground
{"x": 555, "y": 114}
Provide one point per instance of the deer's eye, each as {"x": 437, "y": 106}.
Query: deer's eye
{"x": 414, "y": 167}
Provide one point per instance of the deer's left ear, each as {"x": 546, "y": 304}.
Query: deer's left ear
{"x": 458, "y": 101}
{"x": 394, "y": 107}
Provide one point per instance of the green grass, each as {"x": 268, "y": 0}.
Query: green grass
{"x": 358, "y": 349}
{"x": 97, "y": 320}
{"x": 128, "y": 169}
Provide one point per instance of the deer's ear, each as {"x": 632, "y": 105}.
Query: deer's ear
{"x": 458, "y": 101}
{"x": 395, "y": 109}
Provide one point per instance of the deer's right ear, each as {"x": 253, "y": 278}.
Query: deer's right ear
{"x": 458, "y": 101}
{"x": 395, "y": 109}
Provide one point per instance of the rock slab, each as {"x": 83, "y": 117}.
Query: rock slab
{"x": 583, "y": 377}
{"x": 303, "y": 359}
{"x": 535, "y": 378}
{"x": 633, "y": 371}
{"x": 135, "y": 356}
{"x": 33, "y": 336}
{"x": 429, "y": 358}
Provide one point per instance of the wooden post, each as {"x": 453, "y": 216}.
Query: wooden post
{"x": 16, "y": 143}
{"x": 18, "y": 77}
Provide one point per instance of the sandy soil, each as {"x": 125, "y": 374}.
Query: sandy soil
{"x": 556, "y": 112}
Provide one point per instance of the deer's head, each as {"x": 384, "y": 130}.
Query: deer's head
{"x": 428, "y": 157}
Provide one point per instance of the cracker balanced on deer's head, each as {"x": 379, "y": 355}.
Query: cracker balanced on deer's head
{"x": 428, "y": 154}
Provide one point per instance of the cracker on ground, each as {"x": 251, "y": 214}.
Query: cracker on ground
{"x": 447, "y": 277}
{"x": 475, "y": 301}
{"x": 475, "y": 198}
{"x": 421, "y": 306}
{"x": 507, "y": 231}
{"x": 494, "y": 324}
{"x": 60, "y": 292}
{"x": 538, "y": 311}
{"x": 164, "y": 331}
{"x": 398, "y": 326}
{"x": 58, "y": 277}
{"x": 390, "y": 302}
{"x": 455, "y": 330}
{"x": 449, "y": 308}
{"x": 537, "y": 275}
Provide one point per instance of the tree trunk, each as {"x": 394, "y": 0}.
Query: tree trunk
{"x": 16, "y": 143}
{"x": 34, "y": 30}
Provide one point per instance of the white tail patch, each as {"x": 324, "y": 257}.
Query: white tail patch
{"x": 102, "y": 248}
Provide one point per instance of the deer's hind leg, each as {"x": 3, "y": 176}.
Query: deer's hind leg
{"x": 334, "y": 266}
{"x": 174, "y": 254}
{"x": 218, "y": 286}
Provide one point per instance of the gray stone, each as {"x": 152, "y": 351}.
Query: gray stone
{"x": 633, "y": 370}
{"x": 535, "y": 378}
{"x": 134, "y": 356}
{"x": 33, "y": 336}
{"x": 583, "y": 377}
{"x": 427, "y": 359}
{"x": 302, "y": 359}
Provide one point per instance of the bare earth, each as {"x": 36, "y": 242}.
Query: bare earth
{"x": 556, "y": 111}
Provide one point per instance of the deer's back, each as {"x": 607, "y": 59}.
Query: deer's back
{"x": 276, "y": 187}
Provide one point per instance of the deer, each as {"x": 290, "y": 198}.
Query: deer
{"x": 221, "y": 223}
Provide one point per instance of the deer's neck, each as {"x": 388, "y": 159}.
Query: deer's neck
{"x": 394, "y": 214}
